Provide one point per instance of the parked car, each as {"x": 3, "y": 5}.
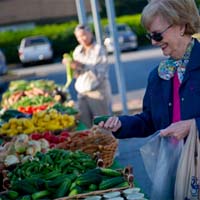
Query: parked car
{"x": 35, "y": 49}
{"x": 3, "y": 70}
{"x": 126, "y": 37}
{"x": 3, "y": 66}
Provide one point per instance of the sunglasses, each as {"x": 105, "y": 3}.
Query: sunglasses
{"x": 157, "y": 36}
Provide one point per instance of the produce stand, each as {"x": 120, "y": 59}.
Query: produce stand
{"x": 47, "y": 153}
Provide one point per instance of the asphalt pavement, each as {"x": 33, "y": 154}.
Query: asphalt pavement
{"x": 129, "y": 149}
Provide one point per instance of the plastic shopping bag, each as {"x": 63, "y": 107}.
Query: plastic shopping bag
{"x": 160, "y": 156}
{"x": 187, "y": 186}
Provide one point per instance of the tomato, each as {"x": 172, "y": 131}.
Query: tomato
{"x": 47, "y": 135}
{"x": 62, "y": 139}
{"x": 36, "y": 136}
{"x": 65, "y": 134}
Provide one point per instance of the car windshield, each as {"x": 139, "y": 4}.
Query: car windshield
{"x": 120, "y": 28}
{"x": 35, "y": 41}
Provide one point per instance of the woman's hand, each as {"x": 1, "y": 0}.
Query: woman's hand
{"x": 75, "y": 65}
{"x": 112, "y": 124}
{"x": 179, "y": 130}
{"x": 66, "y": 60}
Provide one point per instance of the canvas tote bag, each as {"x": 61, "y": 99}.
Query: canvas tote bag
{"x": 86, "y": 82}
{"x": 187, "y": 185}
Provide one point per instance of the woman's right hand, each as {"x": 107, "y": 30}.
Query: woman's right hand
{"x": 66, "y": 61}
{"x": 111, "y": 124}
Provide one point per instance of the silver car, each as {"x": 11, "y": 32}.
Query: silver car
{"x": 35, "y": 49}
{"x": 3, "y": 66}
{"x": 3, "y": 71}
{"x": 126, "y": 37}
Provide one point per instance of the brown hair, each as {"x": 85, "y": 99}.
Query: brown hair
{"x": 178, "y": 12}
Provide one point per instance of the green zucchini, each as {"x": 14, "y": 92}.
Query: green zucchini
{"x": 73, "y": 185}
{"x": 99, "y": 119}
{"x": 51, "y": 175}
{"x": 25, "y": 197}
{"x": 76, "y": 190}
{"x": 110, "y": 172}
{"x": 123, "y": 184}
{"x": 63, "y": 188}
{"x": 40, "y": 194}
{"x": 87, "y": 179}
{"x": 110, "y": 183}
{"x": 93, "y": 187}
{"x": 25, "y": 186}
{"x": 89, "y": 164}
{"x": 12, "y": 194}
{"x": 55, "y": 182}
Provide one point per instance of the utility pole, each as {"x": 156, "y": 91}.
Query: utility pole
{"x": 118, "y": 65}
{"x": 97, "y": 20}
{"x": 80, "y": 6}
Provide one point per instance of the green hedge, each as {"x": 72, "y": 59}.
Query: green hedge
{"x": 61, "y": 36}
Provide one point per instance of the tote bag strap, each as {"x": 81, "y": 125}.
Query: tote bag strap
{"x": 187, "y": 177}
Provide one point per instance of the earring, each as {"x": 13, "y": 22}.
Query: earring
{"x": 182, "y": 34}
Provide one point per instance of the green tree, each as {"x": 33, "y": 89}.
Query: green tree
{"x": 198, "y": 3}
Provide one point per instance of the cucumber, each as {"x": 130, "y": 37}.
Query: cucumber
{"x": 40, "y": 194}
{"x": 26, "y": 197}
{"x": 9, "y": 194}
{"x": 110, "y": 172}
{"x": 76, "y": 190}
{"x": 51, "y": 175}
{"x": 24, "y": 186}
{"x": 93, "y": 187}
{"x": 89, "y": 164}
{"x": 123, "y": 184}
{"x": 87, "y": 179}
{"x": 63, "y": 188}
{"x": 55, "y": 182}
{"x": 110, "y": 183}
{"x": 99, "y": 119}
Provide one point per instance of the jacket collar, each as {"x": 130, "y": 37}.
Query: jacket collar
{"x": 194, "y": 61}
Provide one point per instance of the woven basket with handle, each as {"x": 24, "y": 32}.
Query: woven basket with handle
{"x": 97, "y": 143}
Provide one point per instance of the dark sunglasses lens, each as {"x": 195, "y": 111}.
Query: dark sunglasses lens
{"x": 155, "y": 36}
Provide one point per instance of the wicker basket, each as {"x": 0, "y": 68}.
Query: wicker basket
{"x": 97, "y": 143}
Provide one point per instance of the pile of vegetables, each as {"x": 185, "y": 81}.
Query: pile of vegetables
{"x": 28, "y": 93}
{"x": 60, "y": 173}
{"x": 6, "y": 115}
{"x": 21, "y": 148}
{"x": 35, "y": 162}
{"x": 32, "y": 109}
{"x": 41, "y": 121}
{"x": 68, "y": 109}
{"x": 53, "y": 139}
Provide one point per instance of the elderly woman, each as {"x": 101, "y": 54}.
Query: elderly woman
{"x": 172, "y": 97}
{"x": 173, "y": 92}
{"x": 90, "y": 67}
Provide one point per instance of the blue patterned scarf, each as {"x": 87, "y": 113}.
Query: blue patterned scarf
{"x": 167, "y": 68}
